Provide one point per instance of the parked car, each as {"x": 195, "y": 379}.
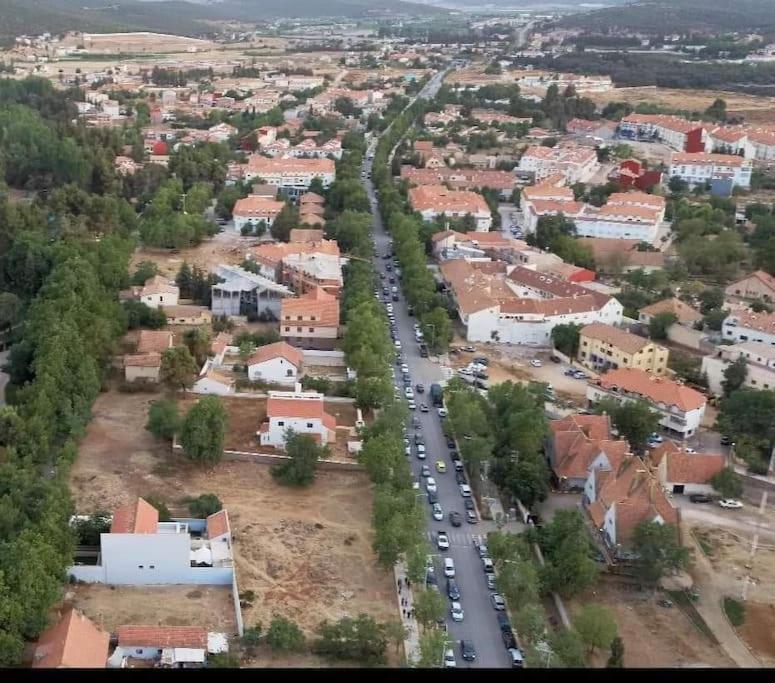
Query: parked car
{"x": 481, "y": 360}
{"x": 443, "y": 413}
{"x": 420, "y": 447}
{"x": 469, "y": 504}
{"x": 465, "y": 490}
{"x": 481, "y": 548}
{"x": 433, "y": 497}
{"x": 453, "y": 591}
{"x": 449, "y": 659}
{"x": 517, "y": 658}
{"x": 438, "y": 513}
{"x": 508, "y": 639}
{"x": 416, "y": 424}
{"x": 725, "y": 440}
{"x": 497, "y": 601}
{"x": 460, "y": 478}
{"x": 503, "y": 621}
{"x": 430, "y": 485}
{"x": 442, "y": 540}
{"x": 555, "y": 359}
{"x": 425, "y": 471}
{"x": 468, "y": 349}
{"x": 730, "y": 504}
{"x": 449, "y": 567}
{"x": 467, "y": 650}
{"x": 456, "y": 611}
{"x": 411, "y": 405}
{"x": 471, "y": 517}
{"x": 490, "y": 582}
{"x": 450, "y": 442}
{"x": 488, "y": 566}
{"x": 455, "y": 519}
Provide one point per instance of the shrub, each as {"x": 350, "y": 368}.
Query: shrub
{"x": 205, "y": 505}
{"x": 735, "y": 611}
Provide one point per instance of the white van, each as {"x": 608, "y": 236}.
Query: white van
{"x": 449, "y": 567}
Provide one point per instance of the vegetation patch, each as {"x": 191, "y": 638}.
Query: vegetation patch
{"x": 735, "y": 611}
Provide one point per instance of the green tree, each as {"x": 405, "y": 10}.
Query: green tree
{"x": 284, "y": 635}
{"x": 566, "y": 338}
{"x": 747, "y": 412}
{"x": 530, "y": 622}
{"x": 205, "y": 505}
{"x": 139, "y": 314}
{"x": 360, "y": 640}
{"x": 658, "y": 550}
{"x": 251, "y": 638}
{"x": 596, "y": 627}
{"x": 287, "y": 219}
{"x": 204, "y": 431}
{"x": 728, "y": 483}
{"x": 429, "y": 607}
{"x": 198, "y": 342}
{"x": 635, "y": 420}
{"x": 717, "y": 111}
{"x": 163, "y": 419}
{"x": 396, "y": 632}
{"x": 432, "y": 648}
{"x": 659, "y": 324}
{"x": 303, "y": 456}
{"x": 568, "y": 646}
{"x": 437, "y": 330}
{"x": 569, "y": 569}
{"x": 734, "y": 375}
{"x": 616, "y": 660}
{"x": 549, "y": 228}
{"x": 178, "y": 368}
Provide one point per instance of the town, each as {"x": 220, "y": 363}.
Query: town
{"x": 426, "y": 336}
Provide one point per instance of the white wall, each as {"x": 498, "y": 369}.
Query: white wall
{"x": 156, "y": 300}
{"x": 277, "y": 370}
{"x": 324, "y": 358}
{"x": 276, "y": 434}
{"x": 598, "y": 227}
{"x": 737, "y": 333}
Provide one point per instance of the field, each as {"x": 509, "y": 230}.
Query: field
{"x": 654, "y": 637}
{"x": 754, "y": 109}
{"x": 306, "y": 554}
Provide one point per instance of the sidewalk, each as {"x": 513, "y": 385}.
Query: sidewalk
{"x": 742, "y": 471}
{"x": 412, "y": 640}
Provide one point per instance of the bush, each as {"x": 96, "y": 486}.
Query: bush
{"x": 205, "y": 505}
{"x": 735, "y": 611}
{"x": 163, "y": 419}
{"x": 164, "y": 511}
{"x": 284, "y": 635}
{"x": 321, "y": 384}
{"x": 87, "y": 531}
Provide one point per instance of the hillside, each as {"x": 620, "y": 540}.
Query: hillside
{"x": 679, "y": 16}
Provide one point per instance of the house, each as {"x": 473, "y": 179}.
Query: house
{"x": 311, "y": 219}
{"x": 311, "y": 198}
{"x": 760, "y": 369}
{"x": 244, "y": 293}
{"x": 157, "y": 291}
{"x": 436, "y": 200}
{"x": 685, "y": 473}
{"x": 292, "y": 176}
{"x": 221, "y": 345}
{"x": 277, "y": 363}
{"x": 220, "y": 132}
{"x": 301, "y": 235}
{"x": 461, "y": 178}
{"x": 142, "y": 367}
{"x": 74, "y": 642}
{"x": 681, "y": 408}
{"x": 626, "y": 215}
{"x": 678, "y": 133}
{"x": 141, "y": 550}
{"x": 603, "y": 347}
{"x": 577, "y": 164}
{"x": 700, "y": 168}
{"x": 757, "y": 285}
{"x": 684, "y": 314}
{"x": 154, "y": 341}
{"x": 213, "y": 381}
{"x": 165, "y": 646}
{"x": 619, "y": 499}
{"x": 301, "y": 265}
{"x": 310, "y": 321}
{"x": 301, "y": 412}
{"x": 579, "y": 443}
{"x": 631, "y": 174}
{"x": 187, "y": 315}
{"x": 745, "y": 325}
{"x": 126, "y": 165}
{"x": 254, "y": 210}
{"x": 263, "y": 190}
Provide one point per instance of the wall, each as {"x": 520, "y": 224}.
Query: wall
{"x": 324, "y": 358}
{"x": 686, "y": 336}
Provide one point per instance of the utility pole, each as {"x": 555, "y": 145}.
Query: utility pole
{"x": 754, "y": 546}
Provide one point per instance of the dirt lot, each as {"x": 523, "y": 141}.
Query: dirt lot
{"x": 653, "y": 636}
{"x": 758, "y": 631}
{"x": 306, "y": 554}
{"x": 755, "y": 109}
{"x": 208, "y": 606}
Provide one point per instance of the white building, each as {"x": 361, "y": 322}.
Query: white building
{"x": 213, "y": 381}
{"x": 141, "y": 550}
{"x": 576, "y": 164}
{"x": 246, "y": 293}
{"x": 277, "y": 363}
{"x": 166, "y": 646}
{"x": 626, "y": 215}
{"x": 685, "y": 473}
{"x": 294, "y": 176}
{"x": 157, "y": 292}
{"x": 745, "y": 325}
{"x": 254, "y": 209}
{"x": 436, "y": 200}
{"x": 760, "y": 370}
{"x": 698, "y": 168}
{"x": 300, "y": 411}
{"x": 680, "y": 407}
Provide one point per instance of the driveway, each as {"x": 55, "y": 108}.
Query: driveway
{"x": 745, "y": 522}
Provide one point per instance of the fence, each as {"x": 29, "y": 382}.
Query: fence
{"x": 324, "y": 358}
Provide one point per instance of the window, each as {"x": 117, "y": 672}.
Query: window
{"x": 298, "y": 317}
{"x": 309, "y": 425}
{"x": 281, "y": 423}
{"x": 311, "y": 329}
{"x": 289, "y": 372}
{"x": 139, "y": 566}
{"x": 298, "y": 329}
{"x": 287, "y": 329}
{"x": 151, "y": 566}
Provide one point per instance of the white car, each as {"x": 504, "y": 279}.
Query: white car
{"x": 412, "y": 405}
{"x": 536, "y": 363}
{"x": 438, "y": 513}
{"x": 465, "y": 490}
{"x": 409, "y": 393}
{"x": 430, "y": 485}
{"x": 408, "y": 450}
{"x": 405, "y": 368}
{"x": 730, "y": 504}
{"x": 397, "y": 343}
{"x": 456, "y": 612}
{"x": 449, "y": 567}
{"x": 691, "y": 451}
{"x": 389, "y": 308}
{"x": 449, "y": 660}
{"x": 442, "y": 541}
{"x": 443, "y": 412}
{"x": 421, "y": 453}
{"x": 421, "y": 449}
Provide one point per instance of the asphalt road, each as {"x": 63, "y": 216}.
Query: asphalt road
{"x": 479, "y": 624}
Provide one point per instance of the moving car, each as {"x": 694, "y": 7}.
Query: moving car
{"x": 467, "y": 650}
{"x": 420, "y": 388}
{"x": 441, "y": 466}
{"x": 456, "y": 611}
{"x": 438, "y": 513}
{"x": 449, "y": 567}
{"x": 442, "y": 540}
{"x": 423, "y": 408}
{"x": 454, "y": 519}
{"x": 497, "y": 601}
{"x": 730, "y": 504}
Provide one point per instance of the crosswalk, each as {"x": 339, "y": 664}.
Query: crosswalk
{"x": 456, "y": 538}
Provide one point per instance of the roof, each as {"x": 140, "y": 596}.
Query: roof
{"x": 142, "y": 360}
{"x": 299, "y": 407}
{"x": 258, "y": 164}
{"x": 311, "y": 198}
{"x": 184, "y": 311}
{"x": 691, "y": 158}
{"x": 317, "y": 302}
{"x": 548, "y": 192}
{"x": 311, "y": 219}
{"x": 655, "y": 389}
{"x": 683, "y": 312}
{"x": 256, "y": 205}
{"x": 440, "y": 199}
{"x": 762, "y": 322}
{"x": 74, "y": 642}
{"x": 221, "y": 341}
{"x": 162, "y": 636}
{"x": 621, "y": 339}
{"x": 154, "y": 341}
{"x": 139, "y": 517}
{"x": 687, "y": 468}
{"x": 218, "y": 524}
{"x": 158, "y": 285}
{"x": 305, "y": 235}
{"x": 277, "y": 350}
{"x": 759, "y": 275}
{"x": 579, "y": 439}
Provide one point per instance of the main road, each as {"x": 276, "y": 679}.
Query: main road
{"x": 479, "y": 625}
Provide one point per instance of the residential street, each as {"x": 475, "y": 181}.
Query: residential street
{"x": 479, "y": 625}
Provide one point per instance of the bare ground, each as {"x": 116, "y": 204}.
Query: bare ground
{"x": 758, "y": 631}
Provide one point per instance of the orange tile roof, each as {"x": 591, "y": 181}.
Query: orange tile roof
{"x": 579, "y": 439}
{"x": 438, "y": 198}
{"x": 279, "y": 349}
{"x": 693, "y": 468}
{"x": 258, "y": 164}
{"x": 535, "y": 192}
{"x": 763, "y": 277}
{"x": 762, "y": 322}
{"x": 139, "y": 517}
{"x": 218, "y": 524}
{"x": 317, "y": 302}
{"x": 655, "y": 389}
{"x": 193, "y": 637}
{"x": 621, "y": 339}
{"x": 74, "y": 642}
{"x": 311, "y": 219}
{"x": 142, "y": 360}
{"x": 299, "y": 407}
{"x": 683, "y": 312}
{"x": 701, "y": 158}
{"x": 158, "y": 285}
{"x": 303, "y": 235}
{"x": 154, "y": 341}
{"x": 311, "y": 198}
{"x": 253, "y": 205}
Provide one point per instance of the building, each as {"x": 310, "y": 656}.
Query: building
{"x": 188, "y": 315}
{"x": 142, "y": 367}
{"x": 681, "y": 408}
{"x": 603, "y": 347}
{"x": 436, "y": 200}
{"x": 292, "y": 176}
{"x": 277, "y": 363}
{"x": 166, "y": 646}
{"x": 141, "y": 550}
{"x": 213, "y": 381}
{"x": 302, "y": 235}
{"x": 685, "y": 473}
{"x": 684, "y": 314}
{"x": 745, "y": 325}
{"x": 760, "y": 369}
{"x": 254, "y": 210}
{"x": 157, "y": 291}
{"x": 310, "y": 321}
{"x": 461, "y": 178}
{"x": 626, "y": 215}
{"x": 579, "y": 443}
{"x": 757, "y": 285}
{"x": 631, "y": 175}
{"x": 675, "y": 132}
{"x": 244, "y": 293}
{"x": 154, "y": 341}
{"x": 700, "y": 168}
{"x": 300, "y": 412}
{"x": 74, "y": 642}
{"x": 577, "y": 164}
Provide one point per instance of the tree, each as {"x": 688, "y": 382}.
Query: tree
{"x": 658, "y": 550}
{"x": 139, "y": 314}
{"x": 303, "y": 455}
{"x": 437, "y": 330}
{"x": 145, "y": 271}
{"x": 396, "y": 631}
{"x": 251, "y": 638}
{"x": 549, "y": 228}
{"x": 569, "y": 569}
{"x": 163, "y": 419}
{"x": 636, "y": 421}
{"x": 10, "y": 307}
{"x": 287, "y": 219}
{"x": 747, "y": 412}
{"x": 566, "y": 338}
{"x": 677, "y": 185}
{"x": 734, "y": 375}
{"x": 596, "y": 626}
{"x": 711, "y": 299}
{"x": 659, "y": 324}
{"x": 717, "y": 111}
{"x": 616, "y": 660}
{"x": 432, "y": 648}
{"x": 361, "y": 640}
{"x": 728, "y": 483}
{"x": 568, "y": 646}
{"x": 284, "y": 635}
{"x": 204, "y": 431}
{"x": 205, "y": 505}
{"x": 429, "y": 606}
{"x": 530, "y": 622}
{"x": 178, "y": 368}
{"x": 198, "y": 342}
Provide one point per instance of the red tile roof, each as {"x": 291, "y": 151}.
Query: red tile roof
{"x": 655, "y": 389}
{"x": 162, "y": 636}
{"x": 74, "y": 642}
{"x": 279, "y": 349}
{"x": 317, "y": 302}
{"x": 142, "y": 360}
{"x": 156, "y": 341}
{"x": 579, "y": 439}
{"x": 218, "y": 524}
{"x": 135, "y": 518}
